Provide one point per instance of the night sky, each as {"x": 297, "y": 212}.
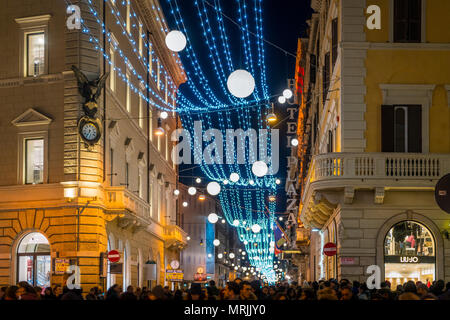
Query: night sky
{"x": 284, "y": 21}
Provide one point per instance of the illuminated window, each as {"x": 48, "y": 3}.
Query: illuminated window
{"x": 128, "y": 17}
{"x": 34, "y": 161}
{"x": 165, "y": 88}
{"x": 128, "y": 93}
{"x": 35, "y": 53}
{"x": 140, "y": 38}
{"x": 112, "y": 75}
{"x": 150, "y": 59}
{"x": 150, "y": 122}
{"x": 141, "y": 112}
{"x": 158, "y": 76}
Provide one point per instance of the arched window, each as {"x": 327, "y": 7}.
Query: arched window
{"x": 409, "y": 253}
{"x": 33, "y": 260}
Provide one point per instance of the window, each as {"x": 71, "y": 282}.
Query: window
{"x": 140, "y": 185}
{"x": 128, "y": 93}
{"x": 140, "y": 38}
{"x": 334, "y": 40}
{"x": 35, "y": 54}
{"x": 127, "y": 175}
{"x": 325, "y": 77}
{"x": 150, "y": 122}
{"x": 128, "y": 17}
{"x": 158, "y": 76}
{"x": 330, "y": 145}
{"x": 112, "y": 69}
{"x": 407, "y": 20}
{"x": 159, "y": 143}
{"x": 401, "y": 129}
{"x": 34, "y": 161}
{"x": 165, "y": 88}
{"x": 111, "y": 165}
{"x": 166, "y": 142}
{"x": 150, "y": 59}
{"x": 313, "y": 68}
{"x": 141, "y": 112}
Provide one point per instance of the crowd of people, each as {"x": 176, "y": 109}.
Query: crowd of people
{"x": 240, "y": 290}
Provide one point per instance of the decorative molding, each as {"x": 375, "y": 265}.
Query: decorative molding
{"x": 349, "y": 195}
{"x": 31, "y": 117}
{"x": 395, "y": 46}
{"x": 32, "y": 20}
{"x": 379, "y": 195}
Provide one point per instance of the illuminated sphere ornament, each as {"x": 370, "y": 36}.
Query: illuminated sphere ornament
{"x": 234, "y": 177}
{"x": 159, "y": 131}
{"x": 281, "y": 99}
{"x": 277, "y": 181}
{"x": 231, "y": 255}
{"x": 287, "y": 93}
{"x": 241, "y": 83}
{"x": 216, "y": 242}
{"x": 198, "y": 180}
{"x": 185, "y": 204}
{"x": 223, "y": 220}
{"x": 176, "y": 41}
{"x": 236, "y": 223}
{"x": 260, "y": 169}
{"x": 213, "y": 218}
{"x": 271, "y": 117}
{"x": 192, "y": 191}
{"x": 188, "y": 238}
{"x": 225, "y": 182}
{"x": 220, "y": 256}
{"x": 243, "y": 253}
{"x": 164, "y": 115}
{"x": 256, "y": 228}
{"x": 213, "y": 188}
{"x": 202, "y": 197}
{"x": 236, "y": 267}
{"x": 252, "y": 182}
{"x": 294, "y": 142}
{"x": 176, "y": 192}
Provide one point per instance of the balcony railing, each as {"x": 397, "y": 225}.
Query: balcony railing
{"x": 120, "y": 198}
{"x": 393, "y": 167}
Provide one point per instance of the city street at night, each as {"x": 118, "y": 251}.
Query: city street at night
{"x": 210, "y": 158}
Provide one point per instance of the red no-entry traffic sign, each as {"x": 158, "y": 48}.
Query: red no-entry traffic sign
{"x": 113, "y": 256}
{"x": 329, "y": 249}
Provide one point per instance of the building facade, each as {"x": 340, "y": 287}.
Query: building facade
{"x": 62, "y": 199}
{"x": 377, "y": 137}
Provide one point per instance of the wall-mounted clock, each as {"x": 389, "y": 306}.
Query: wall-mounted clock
{"x": 89, "y": 130}
{"x": 175, "y": 264}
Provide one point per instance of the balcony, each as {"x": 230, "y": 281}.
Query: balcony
{"x": 119, "y": 200}
{"x": 175, "y": 237}
{"x": 332, "y": 172}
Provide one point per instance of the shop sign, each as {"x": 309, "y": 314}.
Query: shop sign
{"x": 174, "y": 275}
{"x": 347, "y": 261}
{"x": 61, "y": 266}
{"x": 442, "y": 193}
{"x": 409, "y": 259}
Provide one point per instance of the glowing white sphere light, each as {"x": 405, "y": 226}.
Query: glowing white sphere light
{"x": 198, "y": 180}
{"x": 164, "y": 115}
{"x": 176, "y": 192}
{"x": 260, "y": 169}
{"x": 216, "y": 242}
{"x": 192, "y": 191}
{"x": 252, "y": 182}
{"x": 287, "y": 93}
{"x": 225, "y": 182}
{"x": 294, "y": 142}
{"x": 256, "y": 228}
{"x": 281, "y": 99}
{"x": 213, "y": 188}
{"x": 236, "y": 223}
{"x": 234, "y": 177}
{"x": 213, "y": 218}
{"x": 241, "y": 83}
{"x": 231, "y": 255}
{"x": 220, "y": 256}
{"x": 277, "y": 181}
{"x": 176, "y": 41}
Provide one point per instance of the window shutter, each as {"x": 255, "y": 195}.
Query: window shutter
{"x": 313, "y": 68}
{"x": 334, "y": 36}
{"x": 387, "y": 128}
{"x": 415, "y": 129}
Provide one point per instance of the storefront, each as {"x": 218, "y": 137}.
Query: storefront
{"x": 409, "y": 253}
{"x": 33, "y": 260}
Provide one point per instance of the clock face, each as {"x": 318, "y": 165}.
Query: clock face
{"x": 89, "y": 131}
{"x": 175, "y": 264}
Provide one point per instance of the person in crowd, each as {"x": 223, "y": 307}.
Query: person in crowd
{"x": 128, "y": 295}
{"x": 326, "y": 294}
{"x": 57, "y": 291}
{"x": 232, "y": 291}
{"x": 26, "y": 291}
{"x": 178, "y": 295}
{"x": 422, "y": 290}
{"x": 11, "y": 293}
{"x": 2, "y": 292}
{"x": 93, "y": 294}
{"x": 347, "y": 293}
{"x": 408, "y": 296}
{"x": 113, "y": 292}
{"x": 158, "y": 292}
{"x": 48, "y": 294}
{"x": 246, "y": 292}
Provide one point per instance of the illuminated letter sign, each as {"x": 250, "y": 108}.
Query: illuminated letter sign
{"x": 74, "y": 20}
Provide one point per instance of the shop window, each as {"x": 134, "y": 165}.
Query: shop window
{"x": 35, "y": 53}
{"x": 401, "y": 128}
{"x": 409, "y": 253}
{"x": 407, "y": 20}
{"x": 33, "y": 260}
{"x": 34, "y": 161}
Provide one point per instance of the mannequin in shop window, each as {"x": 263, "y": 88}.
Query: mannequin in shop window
{"x": 410, "y": 244}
